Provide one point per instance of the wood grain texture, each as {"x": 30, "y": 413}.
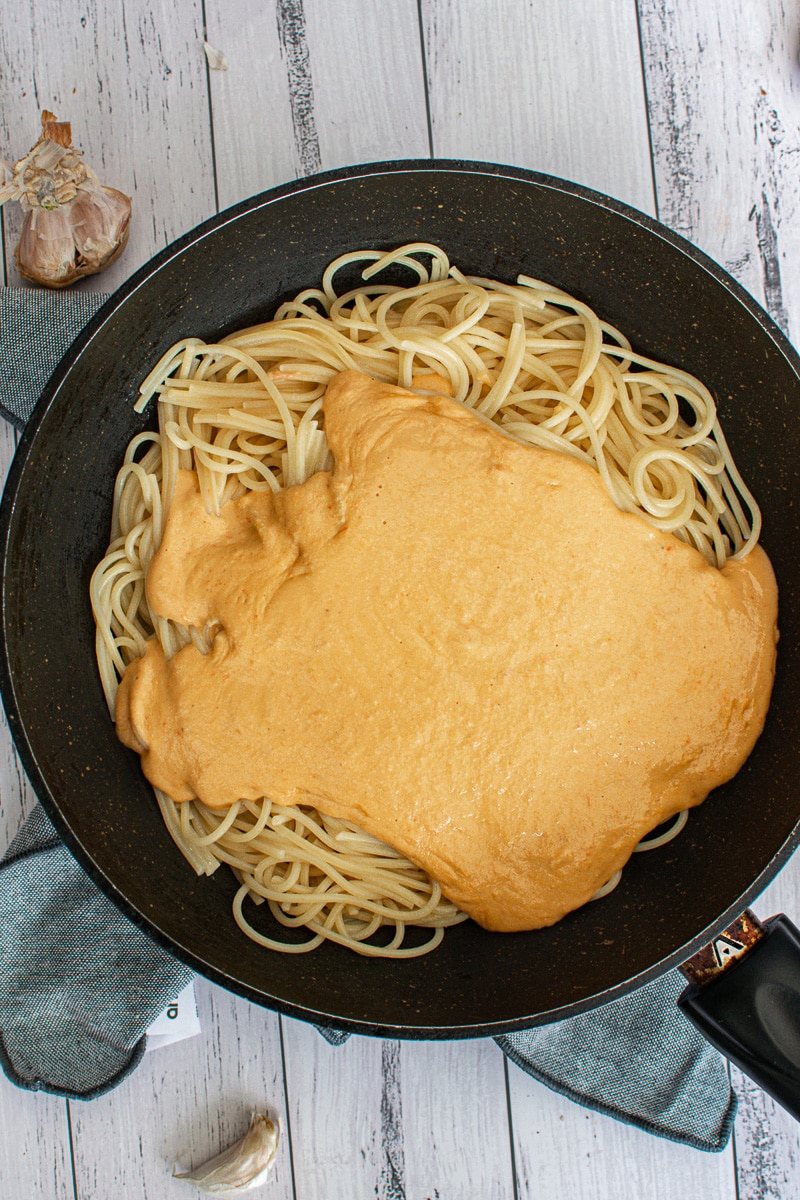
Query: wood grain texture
{"x": 520, "y": 82}
{"x": 564, "y": 1151}
{"x": 369, "y": 83}
{"x": 250, "y": 105}
{"x": 342, "y": 1104}
{"x": 723, "y": 85}
{"x": 35, "y": 1158}
{"x": 401, "y": 1121}
{"x": 131, "y": 77}
{"x": 294, "y": 51}
{"x": 311, "y": 86}
{"x": 455, "y": 1121}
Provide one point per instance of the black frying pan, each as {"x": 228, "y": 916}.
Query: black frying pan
{"x": 674, "y": 304}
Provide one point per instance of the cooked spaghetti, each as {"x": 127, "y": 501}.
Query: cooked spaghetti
{"x": 246, "y": 414}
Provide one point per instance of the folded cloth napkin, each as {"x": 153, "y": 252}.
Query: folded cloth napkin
{"x": 80, "y": 984}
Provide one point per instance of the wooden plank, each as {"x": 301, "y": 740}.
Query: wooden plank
{"x": 185, "y": 1103}
{"x": 369, "y": 85}
{"x": 251, "y": 112}
{"x": 132, "y": 80}
{"x": 555, "y": 87}
{"x": 455, "y": 1121}
{"x": 766, "y": 1143}
{"x": 335, "y": 1097}
{"x": 722, "y": 84}
{"x": 312, "y": 86}
{"x": 397, "y": 1119}
{"x": 35, "y": 1160}
{"x": 563, "y": 1150}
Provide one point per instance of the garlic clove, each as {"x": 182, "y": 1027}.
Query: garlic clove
{"x": 46, "y": 250}
{"x": 243, "y": 1166}
{"x": 100, "y": 222}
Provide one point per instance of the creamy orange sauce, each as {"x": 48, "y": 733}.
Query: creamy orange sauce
{"x": 460, "y": 644}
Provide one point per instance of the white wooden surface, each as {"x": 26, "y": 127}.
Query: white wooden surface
{"x": 689, "y": 109}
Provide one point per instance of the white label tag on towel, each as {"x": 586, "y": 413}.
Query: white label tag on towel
{"x": 179, "y": 1020}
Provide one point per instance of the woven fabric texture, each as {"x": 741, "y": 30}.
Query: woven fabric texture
{"x": 79, "y": 983}
{"x": 36, "y": 329}
{"x": 637, "y": 1059}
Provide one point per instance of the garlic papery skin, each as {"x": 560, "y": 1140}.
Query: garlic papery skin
{"x": 46, "y": 241}
{"x": 243, "y": 1166}
{"x": 73, "y": 226}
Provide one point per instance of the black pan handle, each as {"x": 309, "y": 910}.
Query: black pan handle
{"x": 746, "y": 1002}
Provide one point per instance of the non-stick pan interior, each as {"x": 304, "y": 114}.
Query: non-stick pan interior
{"x": 233, "y": 272}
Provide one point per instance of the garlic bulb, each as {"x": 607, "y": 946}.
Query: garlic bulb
{"x": 242, "y": 1167}
{"x": 73, "y": 226}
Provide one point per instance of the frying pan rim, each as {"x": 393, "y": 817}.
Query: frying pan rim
{"x": 7, "y": 512}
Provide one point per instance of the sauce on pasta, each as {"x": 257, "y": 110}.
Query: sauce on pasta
{"x": 456, "y": 642}
{"x": 244, "y": 415}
